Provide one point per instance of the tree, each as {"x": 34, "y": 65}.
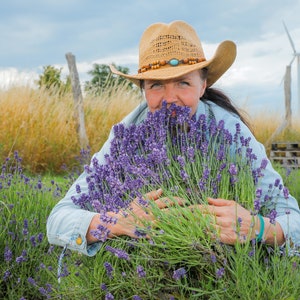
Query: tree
{"x": 51, "y": 80}
{"x": 103, "y": 78}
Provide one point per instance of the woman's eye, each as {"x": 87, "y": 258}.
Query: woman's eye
{"x": 183, "y": 83}
{"x": 155, "y": 85}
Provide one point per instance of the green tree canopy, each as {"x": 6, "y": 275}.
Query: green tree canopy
{"x": 102, "y": 78}
{"x": 51, "y": 80}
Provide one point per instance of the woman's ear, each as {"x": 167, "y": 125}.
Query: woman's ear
{"x": 203, "y": 88}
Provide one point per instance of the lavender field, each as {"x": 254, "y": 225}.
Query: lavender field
{"x": 40, "y": 159}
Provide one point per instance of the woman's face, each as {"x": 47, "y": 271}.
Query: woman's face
{"x": 182, "y": 91}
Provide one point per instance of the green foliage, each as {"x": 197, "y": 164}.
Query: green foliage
{"x": 28, "y": 264}
{"x": 51, "y": 80}
{"x": 102, "y": 78}
{"x": 291, "y": 178}
{"x": 27, "y": 259}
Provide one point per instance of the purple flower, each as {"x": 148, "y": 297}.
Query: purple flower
{"x": 25, "y": 227}
{"x": 277, "y": 181}
{"x": 285, "y": 193}
{"x": 264, "y": 163}
{"x": 32, "y": 240}
{"x": 108, "y": 219}
{"x": 39, "y": 185}
{"x": 109, "y": 269}
{"x": 257, "y": 205}
{"x": 220, "y": 273}
{"x": 140, "y": 271}
{"x": 232, "y": 169}
{"x": 179, "y": 273}
{"x": 43, "y": 291}
{"x": 258, "y": 193}
{"x": 191, "y": 154}
{"x": 272, "y": 216}
{"x": 221, "y": 153}
{"x": 181, "y": 161}
{"x": 109, "y": 296}
{"x": 78, "y": 189}
{"x": 7, "y": 254}
{"x": 7, "y": 274}
{"x": 101, "y": 233}
{"x": 31, "y": 281}
{"x": 140, "y": 233}
{"x": 20, "y": 259}
{"x": 239, "y": 220}
{"x": 237, "y": 131}
{"x": 40, "y": 237}
{"x": 213, "y": 258}
{"x": 118, "y": 252}
{"x": 184, "y": 176}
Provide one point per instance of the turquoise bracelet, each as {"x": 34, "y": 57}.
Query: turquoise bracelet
{"x": 261, "y": 229}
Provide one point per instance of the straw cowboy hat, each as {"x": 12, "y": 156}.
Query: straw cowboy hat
{"x": 172, "y": 50}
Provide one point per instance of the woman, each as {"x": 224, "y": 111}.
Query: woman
{"x": 173, "y": 68}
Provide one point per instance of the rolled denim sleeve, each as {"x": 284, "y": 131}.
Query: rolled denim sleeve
{"x": 67, "y": 224}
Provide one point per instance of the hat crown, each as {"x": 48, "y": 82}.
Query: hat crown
{"x": 167, "y": 41}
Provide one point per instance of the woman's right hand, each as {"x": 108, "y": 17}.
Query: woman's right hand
{"x": 127, "y": 221}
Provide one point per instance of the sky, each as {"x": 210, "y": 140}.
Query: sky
{"x": 38, "y": 33}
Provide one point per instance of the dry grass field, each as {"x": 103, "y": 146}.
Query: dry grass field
{"x": 41, "y": 127}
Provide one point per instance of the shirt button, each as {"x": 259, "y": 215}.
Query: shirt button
{"x": 79, "y": 240}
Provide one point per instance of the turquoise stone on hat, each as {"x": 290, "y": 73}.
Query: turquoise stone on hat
{"x": 174, "y": 62}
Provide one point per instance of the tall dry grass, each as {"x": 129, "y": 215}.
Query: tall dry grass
{"x": 39, "y": 125}
{"x": 265, "y": 125}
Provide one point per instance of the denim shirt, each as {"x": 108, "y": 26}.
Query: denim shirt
{"x": 67, "y": 224}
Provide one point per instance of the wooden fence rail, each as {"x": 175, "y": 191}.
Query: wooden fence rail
{"x": 286, "y": 153}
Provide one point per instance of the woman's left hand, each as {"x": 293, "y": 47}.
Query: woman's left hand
{"x": 233, "y": 222}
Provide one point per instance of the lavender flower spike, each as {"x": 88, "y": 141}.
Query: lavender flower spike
{"x": 179, "y": 273}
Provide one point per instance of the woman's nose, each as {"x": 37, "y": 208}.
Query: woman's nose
{"x": 170, "y": 94}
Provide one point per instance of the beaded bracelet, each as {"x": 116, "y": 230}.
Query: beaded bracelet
{"x": 261, "y": 229}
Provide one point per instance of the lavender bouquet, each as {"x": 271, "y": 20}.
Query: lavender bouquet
{"x": 188, "y": 157}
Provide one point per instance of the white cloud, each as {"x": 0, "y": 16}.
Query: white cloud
{"x": 10, "y": 77}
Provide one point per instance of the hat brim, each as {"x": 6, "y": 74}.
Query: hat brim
{"x": 217, "y": 66}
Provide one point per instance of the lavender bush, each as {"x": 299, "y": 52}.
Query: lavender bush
{"x": 179, "y": 260}
{"x": 190, "y": 158}
{"x": 26, "y": 258}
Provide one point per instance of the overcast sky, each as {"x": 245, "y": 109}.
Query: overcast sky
{"x": 37, "y": 33}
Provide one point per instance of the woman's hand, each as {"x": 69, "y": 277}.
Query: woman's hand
{"x": 234, "y": 223}
{"x": 133, "y": 217}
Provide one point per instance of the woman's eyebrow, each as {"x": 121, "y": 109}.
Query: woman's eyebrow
{"x": 181, "y": 78}
{"x": 150, "y": 81}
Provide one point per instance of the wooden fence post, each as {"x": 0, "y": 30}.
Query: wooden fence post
{"x": 78, "y": 101}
